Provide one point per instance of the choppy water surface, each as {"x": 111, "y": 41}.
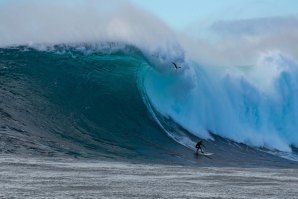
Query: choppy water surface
{"x": 40, "y": 178}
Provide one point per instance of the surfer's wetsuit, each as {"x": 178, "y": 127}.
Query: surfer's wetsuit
{"x": 175, "y": 65}
{"x": 199, "y": 146}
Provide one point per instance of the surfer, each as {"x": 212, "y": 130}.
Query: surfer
{"x": 199, "y": 145}
{"x": 175, "y": 65}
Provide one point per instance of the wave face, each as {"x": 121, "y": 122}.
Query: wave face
{"x": 80, "y": 102}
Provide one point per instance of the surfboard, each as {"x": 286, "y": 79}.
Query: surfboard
{"x": 204, "y": 154}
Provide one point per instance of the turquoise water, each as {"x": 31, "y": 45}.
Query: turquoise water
{"x": 76, "y": 103}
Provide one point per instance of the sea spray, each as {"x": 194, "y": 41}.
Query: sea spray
{"x": 255, "y": 105}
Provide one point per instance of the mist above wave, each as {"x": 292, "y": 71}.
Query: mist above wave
{"x": 35, "y": 22}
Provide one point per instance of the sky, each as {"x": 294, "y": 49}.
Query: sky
{"x": 180, "y": 14}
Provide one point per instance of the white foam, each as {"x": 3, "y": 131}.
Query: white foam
{"x": 257, "y": 107}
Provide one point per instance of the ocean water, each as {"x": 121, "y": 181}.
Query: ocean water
{"x": 108, "y": 102}
{"x": 68, "y": 178}
{"x": 96, "y": 92}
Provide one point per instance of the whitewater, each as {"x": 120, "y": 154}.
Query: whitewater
{"x": 248, "y": 100}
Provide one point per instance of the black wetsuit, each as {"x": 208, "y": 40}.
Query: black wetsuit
{"x": 175, "y": 65}
{"x": 199, "y": 146}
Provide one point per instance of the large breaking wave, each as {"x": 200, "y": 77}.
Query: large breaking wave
{"x": 75, "y": 58}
